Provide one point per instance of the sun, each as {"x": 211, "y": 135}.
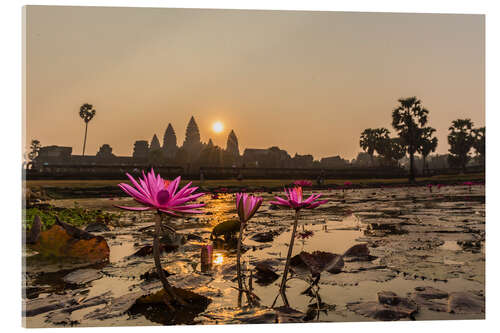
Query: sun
{"x": 217, "y": 127}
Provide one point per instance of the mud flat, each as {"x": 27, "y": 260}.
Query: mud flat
{"x": 418, "y": 255}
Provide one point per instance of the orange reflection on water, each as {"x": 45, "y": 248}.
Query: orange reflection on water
{"x": 221, "y": 209}
{"x": 218, "y": 258}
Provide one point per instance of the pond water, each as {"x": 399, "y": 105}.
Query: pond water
{"x": 416, "y": 238}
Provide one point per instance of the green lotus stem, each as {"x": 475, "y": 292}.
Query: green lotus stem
{"x": 159, "y": 269}
{"x": 246, "y": 206}
{"x": 287, "y": 265}
{"x": 238, "y": 263}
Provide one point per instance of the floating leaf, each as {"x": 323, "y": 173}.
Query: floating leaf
{"x": 226, "y": 228}
{"x": 317, "y": 262}
{"x": 66, "y": 241}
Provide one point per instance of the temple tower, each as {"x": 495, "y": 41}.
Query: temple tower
{"x": 232, "y": 144}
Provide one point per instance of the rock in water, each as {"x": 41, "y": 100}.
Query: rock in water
{"x": 82, "y": 276}
{"x": 66, "y": 241}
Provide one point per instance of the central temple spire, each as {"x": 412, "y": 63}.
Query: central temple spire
{"x": 192, "y": 143}
{"x": 232, "y": 144}
{"x": 170, "y": 142}
{"x": 192, "y": 134}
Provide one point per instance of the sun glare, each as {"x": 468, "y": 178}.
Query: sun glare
{"x": 219, "y": 259}
{"x": 217, "y": 127}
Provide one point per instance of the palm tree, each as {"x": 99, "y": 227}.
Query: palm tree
{"x": 86, "y": 113}
{"x": 480, "y": 143}
{"x": 371, "y": 140}
{"x": 409, "y": 120}
{"x": 461, "y": 140}
{"x": 367, "y": 142}
{"x": 428, "y": 144}
{"x": 35, "y": 148}
{"x": 392, "y": 150}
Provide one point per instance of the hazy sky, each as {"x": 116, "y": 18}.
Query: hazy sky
{"x": 308, "y": 82}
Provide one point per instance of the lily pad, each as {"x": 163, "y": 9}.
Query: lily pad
{"x": 64, "y": 240}
{"x": 82, "y": 276}
{"x": 226, "y": 229}
{"x": 389, "y": 307}
{"x": 317, "y": 262}
{"x": 153, "y": 307}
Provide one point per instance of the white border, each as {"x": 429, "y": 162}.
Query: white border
{"x": 11, "y": 137}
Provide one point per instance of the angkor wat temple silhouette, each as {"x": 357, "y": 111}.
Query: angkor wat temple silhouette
{"x": 192, "y": 152}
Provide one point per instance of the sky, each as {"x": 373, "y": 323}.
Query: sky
{"x": 308, "y": 82}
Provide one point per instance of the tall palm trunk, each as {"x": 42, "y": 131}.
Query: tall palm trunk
{"x": 412, "y": 169}
{"x": 85, "y": 138}
{"x": 423, "y": 165}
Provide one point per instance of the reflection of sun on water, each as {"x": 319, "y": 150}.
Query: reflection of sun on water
{"x": 218, "y": 258}
{"x": 221, "y": 209}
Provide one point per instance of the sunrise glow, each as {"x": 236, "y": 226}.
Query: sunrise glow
{"x": 217, "y": 127}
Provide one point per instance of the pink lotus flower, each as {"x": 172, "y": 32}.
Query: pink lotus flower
{"x": 302, "y": 183}
{"x": 154, "y": 192}
{"x": 468, "y": 183}
{"x": 347, "y": 184}
{"x": 247, "y": 205}
{"x": 294, "y": 200}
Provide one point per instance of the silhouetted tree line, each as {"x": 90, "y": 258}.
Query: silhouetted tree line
{"x": 409, "y": 119}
